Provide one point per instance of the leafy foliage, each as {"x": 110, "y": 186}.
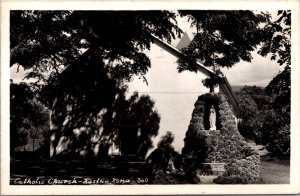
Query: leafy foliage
{"x": 165, "y": 163}
{"x": 166, "y": 141}
{"x": 244, "y": 171}
{"x": 143, "y": 108}
{"x": 258, "y": 95}
{"x": 249, "y": 113}
{"x": 213, "y": 80}
{"x": 49, "y": 41}
{"x": 223, "y": 37}
{"x": 20, "y": 97}
{"x": 160, "y": 158}
{"x": 39, "y": 125}
{"x": 28, "y": 118}
{"x": 266, "y": 116}
{"x": 276, "y": 38}
{"x": 253, "y": 103}
{"x": 247, "y": 107}
{"x": 276, "y": 129}
{"x": 87, "y": 105}
{"x": 277, "y": 42}
{"x": 280, "y": 89}
{"x": 277, "y": 121}
{"x": 274, "y": 121}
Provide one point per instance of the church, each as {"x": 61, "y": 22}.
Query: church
{"x": 176, "y": 93}
{"x": 88, "y": 118}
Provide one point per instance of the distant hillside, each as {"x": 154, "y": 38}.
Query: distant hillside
{"x": 238, "y": 88}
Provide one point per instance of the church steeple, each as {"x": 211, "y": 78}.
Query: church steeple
{"x": 184, "y": 41}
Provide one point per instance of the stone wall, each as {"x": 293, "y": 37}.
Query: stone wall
{"x": 224, "y": 145}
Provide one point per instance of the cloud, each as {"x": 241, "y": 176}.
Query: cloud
{"x": 258, "y": 72}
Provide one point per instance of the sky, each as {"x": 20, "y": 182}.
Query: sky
{"x": 259, "y": 72}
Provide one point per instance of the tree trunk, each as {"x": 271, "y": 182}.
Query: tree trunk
{"x": 212, "y": 89}
{"x": 33, "y": 141}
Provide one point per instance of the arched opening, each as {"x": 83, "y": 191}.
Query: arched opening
{"x": 206, "y": 115}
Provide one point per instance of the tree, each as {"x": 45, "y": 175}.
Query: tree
{"x": 49, "y": 41}
{"x": 253, "y": 104}
{"x": 39, "y": 124}
{"x": 28, "y": 117}
{"x": 276, "y": 38}
{"x": 166, "y": 141}
{"x": 223, "y": 37}
{"x": 277, "y": 121}
{"x": 259, "y": 96}
{"x": 277, "y": 42}
{"x": 143, "y": 109}
{"x": 20, "y": 104}
{"x": 280, "y": 89}
{"x": 266, "y": 118}
{"x": 163, "y": 157}
{"x": 248, "y": 114}
{"x": 50, "y": 45}
{"x": 276, "y": 133}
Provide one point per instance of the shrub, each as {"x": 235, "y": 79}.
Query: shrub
{"x": 164, "y": 163}
{"x": 277, "y": 133}
{"x": 161, "y": 177}
{"x": 244, "y": 171}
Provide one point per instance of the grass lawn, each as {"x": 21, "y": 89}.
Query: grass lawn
{"x": 273, "y": 171}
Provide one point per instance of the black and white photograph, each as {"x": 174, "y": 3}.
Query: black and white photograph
{"x": 130, "y": 97}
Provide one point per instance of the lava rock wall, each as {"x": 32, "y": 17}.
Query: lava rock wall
{"x": 224, "y": 145}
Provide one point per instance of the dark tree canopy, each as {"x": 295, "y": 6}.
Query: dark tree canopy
{"x": 50, "y": 40}
{"x": 280, "y": 89}
{"x": 258, "y": 94}
{"x": 253, "y": 103}
{"x": 223, "y": 37}
{"x": 20, "y": 103}
{"x": 143, "y": 109}
{"x": 277, "y": 43}
{"x": 247, "y": 107}
{"x": 29, "y": 119}
{"x": 276, "y": 38}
